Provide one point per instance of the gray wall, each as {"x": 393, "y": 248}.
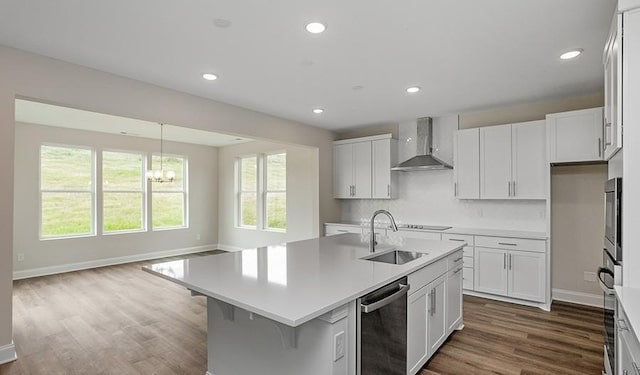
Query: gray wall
{"x": 203, "y": 202}
{"x": 37, "y": 77}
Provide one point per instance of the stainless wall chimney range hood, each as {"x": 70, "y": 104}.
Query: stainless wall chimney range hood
{"x": 424, "y": 160}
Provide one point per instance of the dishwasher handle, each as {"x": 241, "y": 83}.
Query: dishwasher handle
{"x": 373, "y": 306}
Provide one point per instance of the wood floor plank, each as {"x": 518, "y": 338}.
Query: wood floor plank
{"x": 121, "y": 320}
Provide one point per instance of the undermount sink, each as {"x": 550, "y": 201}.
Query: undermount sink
{"x": 396, "y": 257}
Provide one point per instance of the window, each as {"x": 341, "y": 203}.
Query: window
{"x": 122, "y": 191}
{"x": 67, "y": 192}
{"x": 169, "y": 200}
{"x": 275, "y": 194}
{"x": 262, "y": 191}
{"x": 248, "y": 191}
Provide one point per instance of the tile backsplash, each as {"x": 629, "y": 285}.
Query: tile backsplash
{"x": 426, "y": 197}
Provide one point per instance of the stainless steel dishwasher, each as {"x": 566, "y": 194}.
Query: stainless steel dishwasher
{"x": 382, "y": 330}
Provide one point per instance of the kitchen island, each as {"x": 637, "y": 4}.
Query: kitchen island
{"x": 291, "y": 308}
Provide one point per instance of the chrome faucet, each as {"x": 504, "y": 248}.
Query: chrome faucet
{"x": 394, "y": 227}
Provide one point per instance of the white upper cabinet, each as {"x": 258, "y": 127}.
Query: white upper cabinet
{"x": 384, "y": 155}
{"x": 512, "y": 161}
{"x": 495, "y": 162}
{"x": 575, "y": 136}
{"x": 362, "y": 168}
{"x": 467, "y": 164}
{"x": 612, "y": 60}
{"x": 528, "y": 160}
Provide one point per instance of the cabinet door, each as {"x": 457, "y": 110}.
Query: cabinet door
{"x": 454, "y": 299}
{"x": 362, "y": 170}
{"x": 575, "y": 136}
{"x": 613, "y": 90}
{"x": 529, "y": 157}
{"x": 342, "y": 170}
{"x": 417, "y": 350}
{"x": 381, "y": 154}
{"x": 527, "y": 275}
{"x": 467, "y": 164}
{"x": 490, "y": 271}
{"x": 436, "y": 318}
{"x": 495, "y": 162}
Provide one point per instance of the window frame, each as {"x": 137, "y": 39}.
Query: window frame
{"x": 92, "y": 192}
{"x": 265, "y": 190}
{"x": 240, "y": 191}
{"x": 260, "y": 191}
{"x": 143, "y": 191}
{"x": 184, "y": 192}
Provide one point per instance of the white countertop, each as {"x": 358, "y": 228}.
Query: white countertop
{"x": 460, "y": 230}
{"x": 630, "y": 300}
{"x": 295, "y": 282}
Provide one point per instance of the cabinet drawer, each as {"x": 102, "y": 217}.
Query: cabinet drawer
{"x": 420, "y": 235}
{"x": 511, "y": 243}
{"x": 454, "y": 260}
{"x": 467, "y": 278}
{"x": 426, "y": 275}
{"x": 468, "y": 251}
{"x": 459, "y": 237}
{"x": 468, "y": 261}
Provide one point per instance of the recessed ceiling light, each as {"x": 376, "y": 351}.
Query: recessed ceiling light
{"x": 413, "y": 89}
{"x": 315, "y": 27}
{"x": 571, "y": 54}
{"x": 210, "y": 76}
{"x": 318, "y": 111}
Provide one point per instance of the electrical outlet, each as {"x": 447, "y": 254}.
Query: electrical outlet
{"x": 590, "y": 276}
{"x": 338, "y": 346}
{"x": 20, "y": 257}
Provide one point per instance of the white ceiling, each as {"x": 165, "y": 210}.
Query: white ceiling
{"x": 52, "y": 115}
{"x": 465, "y": 54}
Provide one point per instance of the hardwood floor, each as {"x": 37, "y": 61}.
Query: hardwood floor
{"x": 120, "y": 320}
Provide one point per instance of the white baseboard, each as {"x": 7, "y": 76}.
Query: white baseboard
{"x": 8, "y": 353}
{"x": 35, "y": 272}
{"x": 580, "y": 298}
{"x": 540, "y": 305}
{"x": 229, "y": 247}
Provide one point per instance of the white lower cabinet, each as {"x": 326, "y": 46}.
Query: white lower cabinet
{"x": 436, "y": 317}
{"x": 511, "y": 273}
{"x": 434, "y": 309}
{"x": 417, "y": 333}
{"x": 454, "y": 299}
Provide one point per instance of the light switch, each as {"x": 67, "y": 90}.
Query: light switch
{"x": 338, "y": 346}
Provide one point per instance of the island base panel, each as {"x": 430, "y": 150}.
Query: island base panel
{"x": 245, "y": 343}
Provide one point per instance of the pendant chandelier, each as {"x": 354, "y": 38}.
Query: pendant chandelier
{"x": 160, "y": 175}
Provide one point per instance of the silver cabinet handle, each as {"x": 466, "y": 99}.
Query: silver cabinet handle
{"x": 509, "y": 187}
{"x": 455, "y": 189}
{"x": 435, "y": 294}
{"x": 514, "y": 187}
{"x": 510, "y": 261}
{"x": 389, "y": 190}
{"x": 370, "y": 307}
{"x": 599, "y": 147}
{"x": 507, "y": 244}
{"x": 354, "y": 190}
{"x": 504, "y": 261}
{"x": 457, "y": 260}
{"x": 458, "y": 270}
{"x": 456, "y": 239}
